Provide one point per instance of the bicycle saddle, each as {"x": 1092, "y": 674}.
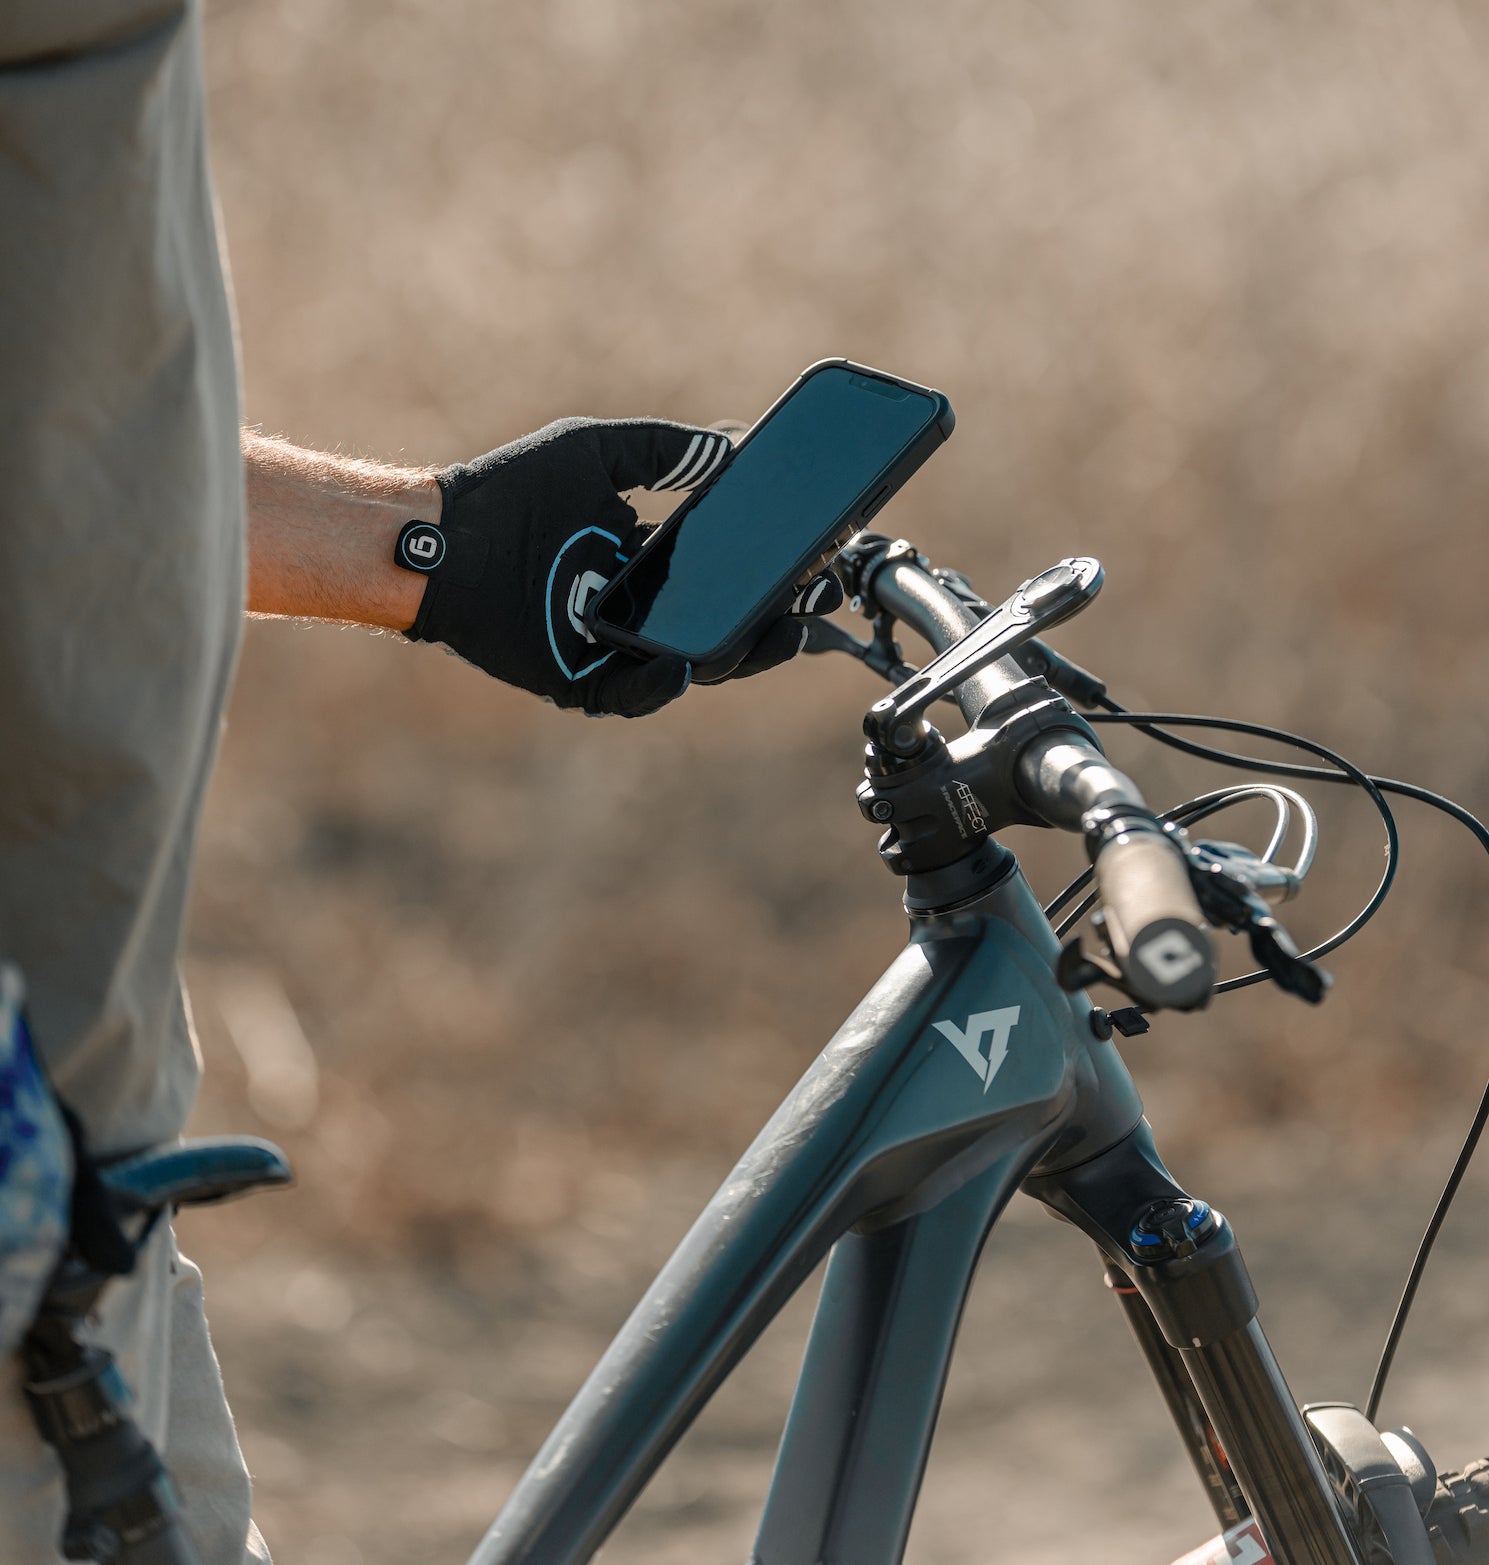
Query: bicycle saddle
{"x": 193, "y": 1173}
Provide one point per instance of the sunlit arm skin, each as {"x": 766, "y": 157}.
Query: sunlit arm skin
{"x": 321, "y": 531}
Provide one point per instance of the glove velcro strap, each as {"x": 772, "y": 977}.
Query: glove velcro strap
{"x": 457, "y": 576}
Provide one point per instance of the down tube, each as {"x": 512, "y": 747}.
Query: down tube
{"x": 961, "y": 1065}
{"x": 855, "y": 1447}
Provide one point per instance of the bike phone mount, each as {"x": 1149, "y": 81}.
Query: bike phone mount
{"x": 895, "y": 723}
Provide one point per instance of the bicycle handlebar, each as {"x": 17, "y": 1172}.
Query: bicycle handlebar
{"x": 905, "y": 589}
{"x": 1152, "y": 917}
{"x": 1158, "y": 936}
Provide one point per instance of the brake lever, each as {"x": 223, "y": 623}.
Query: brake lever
{"x": 1234, "y": 889}
{"x": 823, "y": 635}
{"x": 1276, "y": 951}
{"x": 1231, "y": 885}
{"x": 1273, "y": 883}
{"x": 881, "y": 654}
{"x": 893, "y": 723}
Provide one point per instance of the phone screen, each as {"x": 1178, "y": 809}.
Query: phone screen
{"x": 774, "y": 508}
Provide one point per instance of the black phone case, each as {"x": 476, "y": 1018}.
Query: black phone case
{"x": 720, "y": 659}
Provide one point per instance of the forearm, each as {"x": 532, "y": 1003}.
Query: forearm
{"x": 321, "y": 531}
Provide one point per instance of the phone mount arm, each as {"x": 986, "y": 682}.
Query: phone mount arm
{"x": 895, "y": 725}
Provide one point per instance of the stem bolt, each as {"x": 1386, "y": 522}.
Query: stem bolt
{"x": 883, "y": 810}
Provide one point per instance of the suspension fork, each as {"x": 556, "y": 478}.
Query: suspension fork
{"x": 1186, "y": 1266}
{"x": 1196, "y": 1432}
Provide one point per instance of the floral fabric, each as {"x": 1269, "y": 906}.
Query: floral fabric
{"x": 35, "y": 1171}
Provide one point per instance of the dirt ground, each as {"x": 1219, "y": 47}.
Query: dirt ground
{"x": 1205, "y": 286}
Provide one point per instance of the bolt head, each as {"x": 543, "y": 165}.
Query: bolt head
{"x": 883, "y": 809}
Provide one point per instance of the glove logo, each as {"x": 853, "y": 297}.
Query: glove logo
{"x": 583, "y": 589}
{"x": 421, "y": 547}
{"x": 584, "y": 565}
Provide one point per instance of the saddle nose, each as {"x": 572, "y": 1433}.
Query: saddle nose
{"x": 194, "y": 1173}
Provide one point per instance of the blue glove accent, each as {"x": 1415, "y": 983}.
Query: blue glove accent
{"x": 588, "y": 570}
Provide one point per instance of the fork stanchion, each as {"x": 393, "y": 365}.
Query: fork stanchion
{"x": 1185, "y": 1408}
{"x": 1273, "y": 1455}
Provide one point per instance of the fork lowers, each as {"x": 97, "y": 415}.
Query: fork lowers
{"x": 1218, "y": 1372}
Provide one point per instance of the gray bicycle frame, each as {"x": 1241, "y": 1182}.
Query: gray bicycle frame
{"x": 964, "y": 1073}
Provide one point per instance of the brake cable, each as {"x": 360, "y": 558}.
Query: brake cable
{"x": 1145, "y": 721}
{"x": 1203, "y": 805}
{"x": 1115, "y": 713}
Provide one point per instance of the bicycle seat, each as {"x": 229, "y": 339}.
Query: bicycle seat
{"x": 193, "y": 1173}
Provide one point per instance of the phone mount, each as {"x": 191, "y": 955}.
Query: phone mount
{"x": 896, "y": 725}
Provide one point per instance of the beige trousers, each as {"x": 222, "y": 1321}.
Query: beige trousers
{"x": 154, "y": 1325}
{"x": 121, "y": 594}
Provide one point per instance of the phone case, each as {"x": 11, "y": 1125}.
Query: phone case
{"x": 718, "y": 660}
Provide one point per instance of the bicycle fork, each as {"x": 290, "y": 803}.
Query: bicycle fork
{"x": 1178, "y": 1272}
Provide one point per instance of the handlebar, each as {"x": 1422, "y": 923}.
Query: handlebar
{"x": 904, "y": 588}
{"x": 1152, "y": 916}
{"x": 1152, "y": 920}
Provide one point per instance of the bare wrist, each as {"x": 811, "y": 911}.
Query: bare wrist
{"x": 321, "y": 535}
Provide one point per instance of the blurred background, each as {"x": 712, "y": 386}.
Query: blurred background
{"x": 1206, "y": 288}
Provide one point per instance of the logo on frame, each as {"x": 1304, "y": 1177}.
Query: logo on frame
{"x": 995, "y": 1026}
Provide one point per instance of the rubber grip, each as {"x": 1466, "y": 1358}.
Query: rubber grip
{"x": 1153, "y": 921}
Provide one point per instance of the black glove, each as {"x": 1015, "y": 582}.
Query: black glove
{"x": 531, "y": 531}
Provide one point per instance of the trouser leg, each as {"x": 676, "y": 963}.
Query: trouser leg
{"x": 153, "y": 1323}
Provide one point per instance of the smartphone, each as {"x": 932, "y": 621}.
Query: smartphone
{"x": 801, "y": 482}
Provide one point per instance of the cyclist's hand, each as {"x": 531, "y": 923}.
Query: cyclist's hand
{"x": 531, "y": 531}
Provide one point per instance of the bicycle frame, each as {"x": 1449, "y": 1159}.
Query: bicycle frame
{"x": 965, "y": 1073}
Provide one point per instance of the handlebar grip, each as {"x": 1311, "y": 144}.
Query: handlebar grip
{"x": 1152, "y": 920}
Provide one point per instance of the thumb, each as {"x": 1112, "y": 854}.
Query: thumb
{"x": 626, "y": 687}
{"x": 644, "y": 453}
{"x": 782, "y": 640}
